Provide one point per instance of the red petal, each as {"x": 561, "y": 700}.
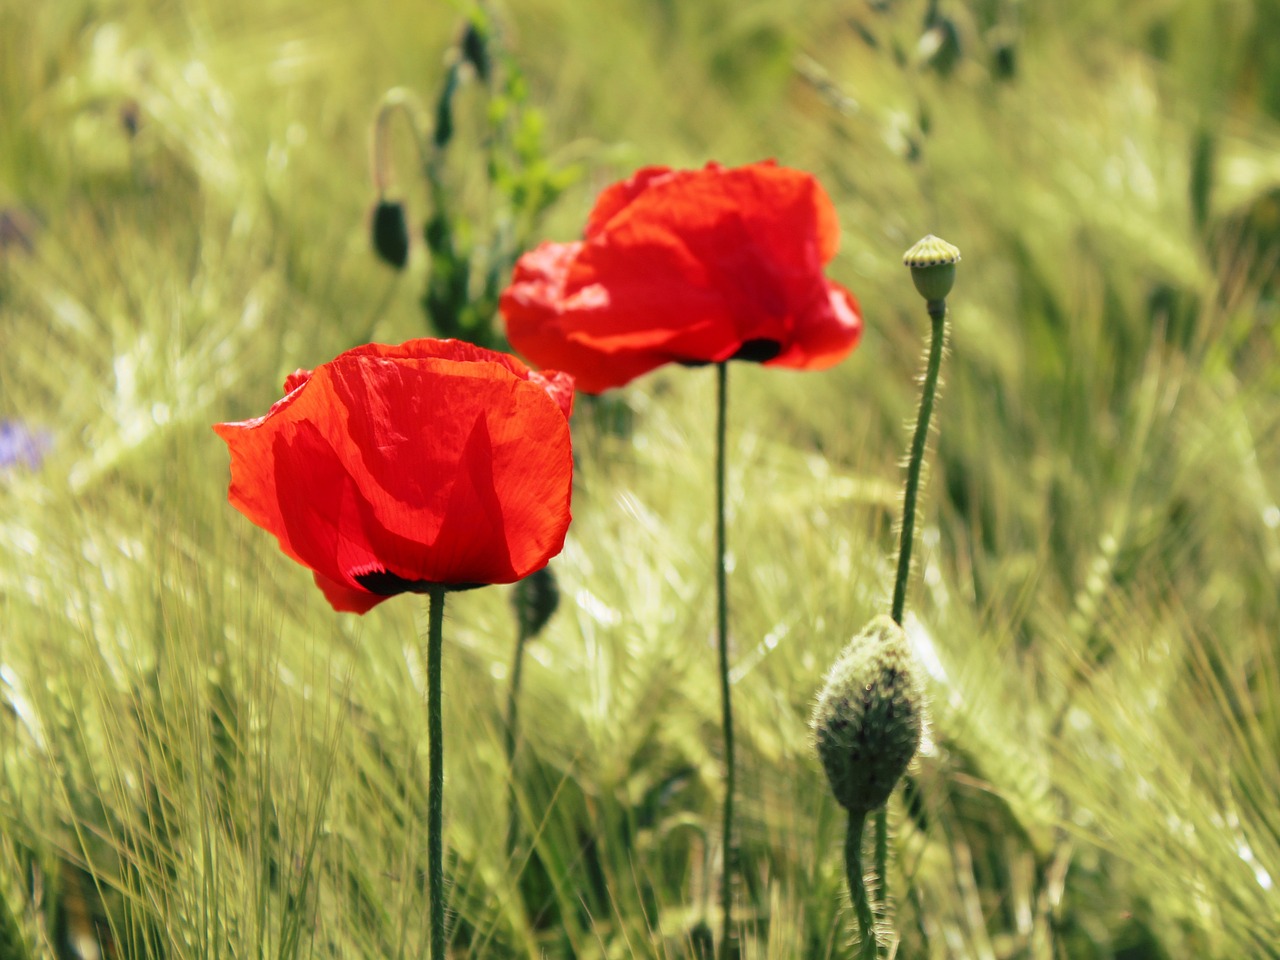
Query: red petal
{"x": 827, "y": 335}
{"x": 296, "y": 379}
{"x": 433, "y": 461}
{"x": 614, "y": 198}
{"x": 344, "y": 599}
{"x": 545, "y": 322}
{"x": 685, "y": 266}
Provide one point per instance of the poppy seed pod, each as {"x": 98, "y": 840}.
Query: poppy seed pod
{"x": 869, "y": 717}
{"x": 933, "y": 266}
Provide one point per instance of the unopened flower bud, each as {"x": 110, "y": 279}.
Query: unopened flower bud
{"x": 535, "y": 600}
{"x": 933, "y": 266}
{"x": 475, "y": 49}
{"x": 869, "y": 717}
{"x": 390, "y": 233}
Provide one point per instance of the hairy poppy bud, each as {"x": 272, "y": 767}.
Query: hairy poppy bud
{"x": 939, "y": 46}
{"x": 390, "y": 233}
{"x": 535, "y": 600}
{"x": 475, "y": 49}
{"x": 443, "y": 132}
{"x": 869, "y": 716}
{"x": 933, "y": 266}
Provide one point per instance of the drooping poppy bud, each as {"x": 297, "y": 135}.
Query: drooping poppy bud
{"x": 869, "y": 716}
{"x": 939, "y": 46}
{"x": 535, "y": 600}
{"x": 475, "y": 49}
{"x": 443, "y": 131}
{"x": 390, "y": 233}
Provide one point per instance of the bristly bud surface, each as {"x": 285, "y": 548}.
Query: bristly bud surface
{"x": 933, "y": 266}
{"x": 869, "y": 717}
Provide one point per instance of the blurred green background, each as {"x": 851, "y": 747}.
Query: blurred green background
{"x": 199, "y": 759}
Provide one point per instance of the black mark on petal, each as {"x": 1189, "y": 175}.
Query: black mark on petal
{"x": 758, "y": 351}
{"x": 386, "y": 584}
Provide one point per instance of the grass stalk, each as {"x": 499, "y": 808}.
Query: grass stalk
{"x": 513, "y": 708}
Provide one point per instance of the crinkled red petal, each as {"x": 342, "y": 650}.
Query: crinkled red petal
{"x": 432, "y": 462}
{"x": 686, "y": 266}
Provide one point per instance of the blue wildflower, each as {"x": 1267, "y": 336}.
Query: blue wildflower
{"x": 22, "y": 446}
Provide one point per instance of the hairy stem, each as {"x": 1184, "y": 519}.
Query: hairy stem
{"x": 881, "y": 862}
{"x": 857, "y": 887}
{"x": 435, "y": 776}
{"x": 722, "y": 611}
{"x": 938, "y": 315}
{"x": 911, "y": 491}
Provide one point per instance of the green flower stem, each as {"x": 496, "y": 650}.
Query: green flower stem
{"x": 937, "y": 344}
{"x": 513, "y": 705}
{"x": 435, "y": 773}
{"x": 722, "y": 611}
{"x": 857, "y": 887}
{"x": 938, "y": 314}
{"x": 881, "y": 860}
{"x": 402, "y": 100}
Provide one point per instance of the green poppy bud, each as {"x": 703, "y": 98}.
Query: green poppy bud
{"x": 939, "y": 46}
{"x": 703, "y": 941}
{"x": 933, "y": 267}
{"x": 390, "y": 233}
{"x": 475, "y": 49}
{"x": 443, "y": 132}
{"x": 535, "y": 600}
{"x": 869, "y": 717}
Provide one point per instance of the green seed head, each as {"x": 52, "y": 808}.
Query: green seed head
{"x": 869, "y": 717}
{"x": 933, "y": 266}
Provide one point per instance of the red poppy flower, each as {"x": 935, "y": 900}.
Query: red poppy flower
{"x": 690, "y": 266}
{"x": 392, "y": 468}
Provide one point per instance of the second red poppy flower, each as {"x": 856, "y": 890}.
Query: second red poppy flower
{"x": 688, "y": 266}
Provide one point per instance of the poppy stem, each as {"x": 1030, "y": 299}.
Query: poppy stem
{"x": 857, "y": 887}
{"x": 928, "y": 394}
{"x": 881, "y": 864}
{"x": 722, "y": 627}
{"x": 937, "y": 342}
{"x": 435, "y": 773}
{"x": 402, "y": 100}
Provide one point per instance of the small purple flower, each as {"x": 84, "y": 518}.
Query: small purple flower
{"x": 18, "y": 229}
{"x": 22, "y": 446}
